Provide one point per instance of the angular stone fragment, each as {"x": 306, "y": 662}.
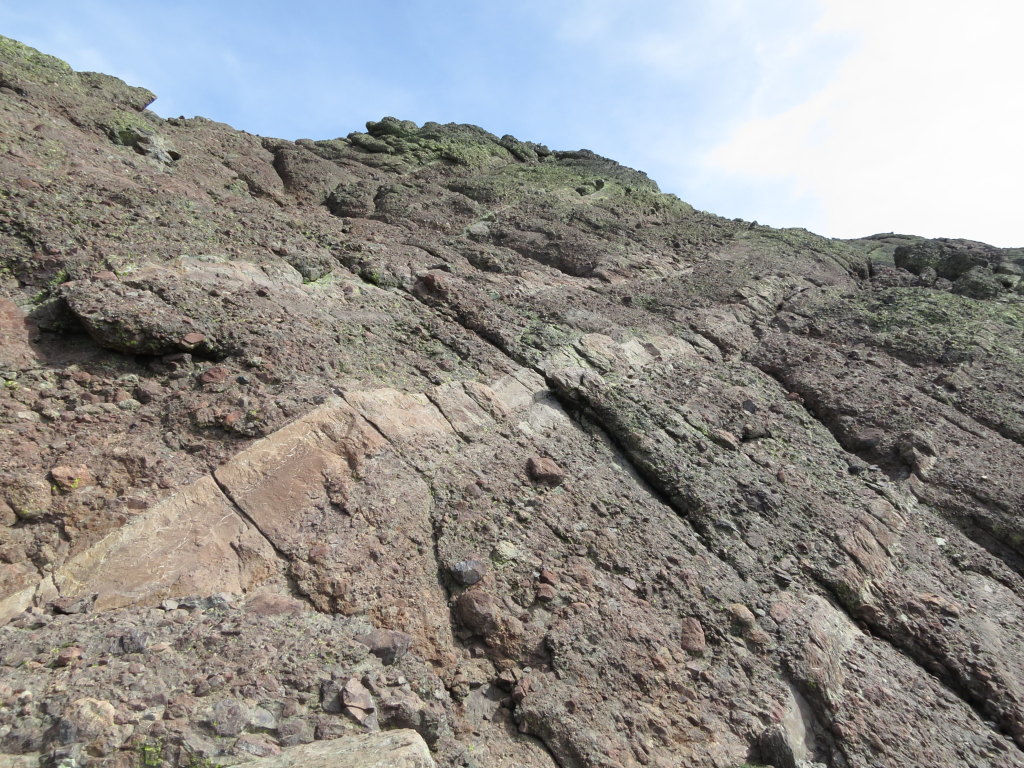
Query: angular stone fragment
{"x": 271, "y": 604}
{"x": 255, "y": 745}
{"x": 545, "y": 470}
{"x": 71, "y": 478}
{"x": 546, "y": 593}
{"x": 68, "y": 656}
{"x": 691, "y": 636}
{"x": 548, "y": 576}
{"x": 917, "y": 449}
{"x": 469, "y": 572}
{"x": 28, "y": 495}
{"x": 7, "y": 516}
{"x": 357, "y": 702}
{"x": 229, "y": 717}
{"x": 478, "y": 612}
{"x": 96, "y": 721}
{"x": 386, "y": 644}
{"x": 214, "y": 375}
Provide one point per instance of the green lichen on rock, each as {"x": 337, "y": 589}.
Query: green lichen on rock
{"x": 563, "y": 187}
{"x": 117, "y": 91}
{"x": 412, "y": 146}
{"x": 28, "y": 496}
{"x": 926, "y": 324}
{"x": 978, "y": 283}
{"x": 34, "y": 65}
{"x": 370, "y": 143}
{"x": 742, "y": 416}
{"x": 22, "y": 64}
{"x": 977, "y": 270}
{"x": 949, "y": 258}
{"x": 127, "y": 128}
{"x": 512, "y": 183}
{"x": 136, "y": 130}
{"x": 524, "y": 151}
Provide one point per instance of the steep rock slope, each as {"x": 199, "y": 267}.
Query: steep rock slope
{"x": 423, "y": 428}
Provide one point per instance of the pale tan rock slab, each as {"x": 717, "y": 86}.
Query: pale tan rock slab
{"x": 461, "y": 409}
{"x": 519, "y": 390}
{"x": 13, "y": 604}
{"x": 389, "y": 749}
{"x": 194, "y": 543}
{"x": 19, "y": 761}
{"x": 277, "y": 478}
{"x": 400, "y": 416}
{"x": 15, "y": 352}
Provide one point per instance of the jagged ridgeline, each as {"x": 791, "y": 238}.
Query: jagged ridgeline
{"x": 423, "y": 446}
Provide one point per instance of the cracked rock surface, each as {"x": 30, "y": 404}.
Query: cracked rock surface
{"x": 426, "y": 446}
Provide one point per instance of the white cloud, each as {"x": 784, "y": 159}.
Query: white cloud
{"x": 918, "y": 131}
{"x": 686, "y": 39}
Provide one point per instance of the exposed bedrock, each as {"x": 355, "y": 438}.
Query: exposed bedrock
{"x": 426, "y": 446}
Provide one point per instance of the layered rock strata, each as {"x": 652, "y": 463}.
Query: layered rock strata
{"x": 426, "y": 439}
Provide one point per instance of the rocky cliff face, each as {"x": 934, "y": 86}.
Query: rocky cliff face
{"x": 489, "y": 448}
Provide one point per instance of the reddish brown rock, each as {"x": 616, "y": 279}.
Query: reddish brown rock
{"x": 70, "y": 478}
{"x": 691, "y": 636}
{"x": 741, "y": 615}
{"x": 214, "y": 375}
{"x": 191, "y": 340}
{"x": 266, "y": 603}
{"x": 483, "y": 301}
{"x": 546, "y": 593}
{"x": 478, "y": 612}
{"x": 357, "y": 702}
{"x": 196, "y": 537}
{"x": 148, "y": 391}
{"x": 386, "y": 644}
{"x": 7, "y": 516}
{"x": 68, "y": 656}
{"x": 256, "y": 745}
{"x": 544, "y": 470}
{"x": 548, "y": 576}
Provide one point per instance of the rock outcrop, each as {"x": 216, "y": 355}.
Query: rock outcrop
{"x": 428, "y": 445}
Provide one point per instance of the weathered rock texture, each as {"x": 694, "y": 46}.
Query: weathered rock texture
{"x": 395, "y": 749}
{"x": 428, "y": 430}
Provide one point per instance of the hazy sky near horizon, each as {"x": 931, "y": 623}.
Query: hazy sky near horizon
{"x": 847, "y": 117}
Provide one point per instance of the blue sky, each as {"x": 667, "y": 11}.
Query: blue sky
{"x": 846, "y": 118}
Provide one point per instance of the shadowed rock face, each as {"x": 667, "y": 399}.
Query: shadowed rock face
{"x": 494, "y": 449}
